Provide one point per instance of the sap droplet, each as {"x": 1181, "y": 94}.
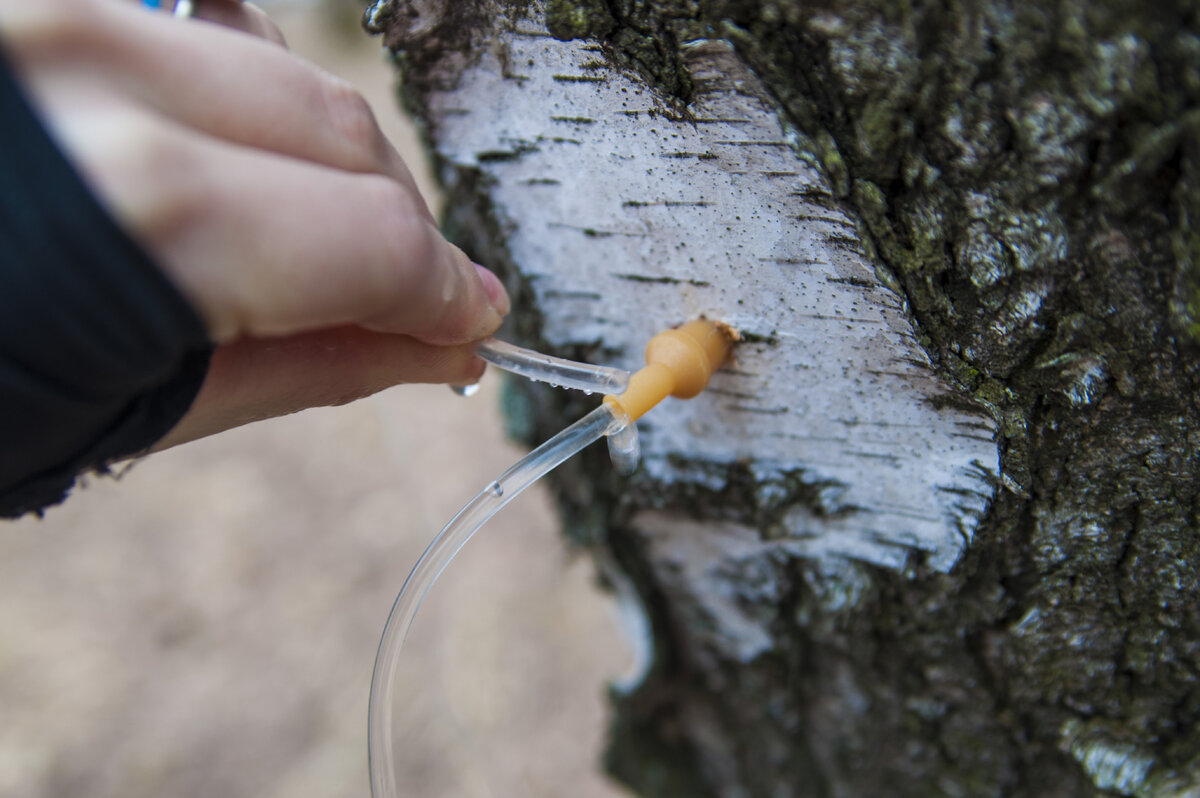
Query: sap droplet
{"x": 466, "y": 390}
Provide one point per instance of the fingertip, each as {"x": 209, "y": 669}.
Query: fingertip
{"x": 496, "y": 294}
{"x": 245, "y": 17}
{"x": 267, "y": 28}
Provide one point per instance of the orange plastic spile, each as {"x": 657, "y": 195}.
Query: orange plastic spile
{"x": 679, "y": 363}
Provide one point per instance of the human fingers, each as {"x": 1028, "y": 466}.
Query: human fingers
{"x": 254, "y": 379}
{"x": 240, "y": 89}
{"x": 245, "y": 17}
{"x": 261, "y": 243}
{"x": 235, "y": 14}
{"x": 266, "y": 245}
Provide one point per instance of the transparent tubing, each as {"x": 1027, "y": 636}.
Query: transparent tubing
{"x": 596, "y": 424}
{"x": 554, "y": 370}
{"x": 624, "y": 448}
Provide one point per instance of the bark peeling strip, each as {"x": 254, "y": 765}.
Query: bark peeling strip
{"x": 708, "y": 215}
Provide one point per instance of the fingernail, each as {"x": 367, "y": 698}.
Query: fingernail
{"x": 495, "y": 290}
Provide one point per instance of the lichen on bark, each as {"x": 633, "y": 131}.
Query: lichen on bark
{"x": 1029, "y": 178}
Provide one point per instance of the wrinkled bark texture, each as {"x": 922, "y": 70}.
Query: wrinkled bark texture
{"x": 1027, "y": 176}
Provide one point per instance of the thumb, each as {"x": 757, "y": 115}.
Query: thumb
{"x": 254, "y": 379}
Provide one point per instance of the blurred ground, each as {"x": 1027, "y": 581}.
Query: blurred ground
{"x": 206, "y": 625}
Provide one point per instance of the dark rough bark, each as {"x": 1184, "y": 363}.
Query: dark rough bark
{"x": 1029, "y": 174}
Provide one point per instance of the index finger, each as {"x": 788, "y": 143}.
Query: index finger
{"x": 239, "y": 88}
{"x": 266, "y": 245}
{"x": 242, "y": 16}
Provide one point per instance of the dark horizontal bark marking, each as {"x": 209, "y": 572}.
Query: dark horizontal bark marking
{"x": 886, "y": 444}
{"x": 578, "y": 120}
{"x": 817, "y": 196}
{"x": 891, "y": 458}
{"x": 756, "y": 338}
{"x": 643, "y": 278}
{"x": 964, "y": 492}
{"x": 904, "y": 375}
{"x": 845, "y": 242}
{"x": 854, "y": 422}
{"x": 815, "y": 439}
{"x": 854, "y": 281}
{"x": 849, "y": 319}
{"x": 580, "y": 78}
{"x": 655, "y": 113}
{"x": 703, "y": 156}
{"x": 840, "y": 221}
{"x": 592, "y": 232}
{"x": 988, "y": 439}
{"x": 665, "y": 204}
{"x": 957, "y": 402}
{"x": 766, "y": 411}
{"x": 731, "y": 394}
{"x": 748, "y": 143}
{"x": 496, "y": 156}
{"x": 572, "y": 295}
{"x": 793, "y": 261}
{"x": 541, "y": 181}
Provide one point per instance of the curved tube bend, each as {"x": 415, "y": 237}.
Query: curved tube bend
{"x": 529, "y": 469}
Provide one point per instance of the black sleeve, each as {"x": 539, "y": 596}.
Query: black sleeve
{"x": 99, "y": 354}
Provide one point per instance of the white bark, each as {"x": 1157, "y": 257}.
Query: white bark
{"x": 626, "y": 217}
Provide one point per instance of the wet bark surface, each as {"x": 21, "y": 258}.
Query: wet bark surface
{"x": 1025, "y": 178}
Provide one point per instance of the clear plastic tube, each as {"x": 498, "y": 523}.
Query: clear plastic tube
{"x": 596, "y": 424}
{"x": 624, "y": 447}
{"x": 554, "y": 370}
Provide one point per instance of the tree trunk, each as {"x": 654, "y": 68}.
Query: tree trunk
{"x": 935, "y": 532}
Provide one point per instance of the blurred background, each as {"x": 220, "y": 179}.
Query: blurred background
{"x": 206, "y": 624}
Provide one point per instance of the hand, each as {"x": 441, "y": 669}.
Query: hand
{"x": 266, "y": 191}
